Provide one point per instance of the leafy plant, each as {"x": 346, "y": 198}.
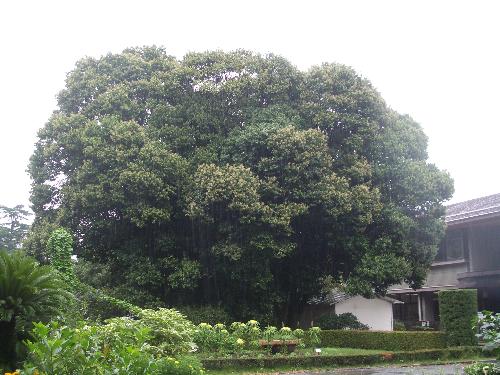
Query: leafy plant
{"x": 28, "y": 292}
{"x": 487, "y": 325}
{"x": 248, "y": 336}
{"x": 110, "y": 349}
{"x": 313, "y": 336}
{"x": 482, "y": 368}
{"x": 457, "y": 311}
{"x": 170, "y": 330}
{"x": 215, "y": 339}
{"x": 60, "y": 250}
{"x": 341, "y": 321}
{"x": 399, "y": 326}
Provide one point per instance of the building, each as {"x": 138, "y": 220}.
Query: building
{"x": 468, "y": 257}
{"x": 376, "y": 313}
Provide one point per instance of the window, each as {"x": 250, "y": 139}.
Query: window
{"x": 455, "y": 246}
{"x": 452, "y": 246}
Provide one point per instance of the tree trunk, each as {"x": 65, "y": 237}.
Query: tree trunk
{"x": 8, "y": 340}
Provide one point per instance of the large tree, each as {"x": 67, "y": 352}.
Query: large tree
{"x": 235, "y": 179}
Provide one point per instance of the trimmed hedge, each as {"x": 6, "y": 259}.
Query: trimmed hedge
{"x": 345, "y": 360}
{"x": 457, "y": 310}
{"x": 383, "y": 340}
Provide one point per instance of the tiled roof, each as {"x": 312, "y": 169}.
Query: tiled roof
{"x": 336, "y": 296}
{"x": 473, "y": 209}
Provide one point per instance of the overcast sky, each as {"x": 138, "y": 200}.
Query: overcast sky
{"x": 438, "y": 61}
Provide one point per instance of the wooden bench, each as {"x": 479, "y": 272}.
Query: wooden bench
{"x": 277, "y": 346}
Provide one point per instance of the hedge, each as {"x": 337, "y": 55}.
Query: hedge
{"x": 383, "y": 340}
{"x": 344, "y": 360}
{"x": 457, "y": 309}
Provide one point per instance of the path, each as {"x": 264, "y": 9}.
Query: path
{"x": 449, "y": 369}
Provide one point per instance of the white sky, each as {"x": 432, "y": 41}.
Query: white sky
{"x": 439, "y": 61}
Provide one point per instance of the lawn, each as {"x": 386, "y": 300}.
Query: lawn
{"x": 344, "y": 351}
{"x": 297, "y": 352}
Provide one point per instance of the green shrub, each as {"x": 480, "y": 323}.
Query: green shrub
{"x": 457, "y": 311}
{"x": 246, "y": 336}
{"x": 343, "y": 360}
{"x": 206, "y": 314}
{"x": 399, "y": 326}
{"x": 216, "y": 339}
{"x": 28, "y": 292}
{"x": 122, "y": 348}
{"x": 481, "y": 368}
{"x": 488, "y": 327}
{"x": 390, "y": 340}
{"x": 342, "y": 321}
{"x": 60, "y": 249}
{"x": 170, "y": 332}
{"x": 170, "y": 329}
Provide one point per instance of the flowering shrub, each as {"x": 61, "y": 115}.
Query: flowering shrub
{"x": 247, "y": 336}
{"x": 481, "y": 368}
{"x": 488, "y": 326}
{"x": 212, "y": 339}
{"x": 120, "y": 347}
{"x": 171, "y": 331}
{"x": 313, "y": 338}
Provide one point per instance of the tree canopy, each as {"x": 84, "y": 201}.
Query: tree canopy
{"x": 13, "y": 227}
{"x": 235, "y": 179}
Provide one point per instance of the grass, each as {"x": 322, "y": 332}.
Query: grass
{"x": 299, "y": 352}
{"x": 292, "y": 369}
{"x": 343, "y": 351}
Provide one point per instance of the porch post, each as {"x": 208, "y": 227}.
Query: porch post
{"x": 419, "y": 301}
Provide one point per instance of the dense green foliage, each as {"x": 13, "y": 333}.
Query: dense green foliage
{"x": 235, "y": 179}
{"x": 60, "y": 250}
{"x": 385, "y": 340}
{"x": 170, "y": 330}
{"x": 314, "y": 361}
{"x": 237, "y": 337}
{"x": 28, "y": 292}
{"x": 341, "y": 321}
{"x": 488, "y": 328}
{"x": 457, "y": 312}
{"x": 482, "y": 368}
{"x": 119, "y": 347}
{"x": 13, "y": 228}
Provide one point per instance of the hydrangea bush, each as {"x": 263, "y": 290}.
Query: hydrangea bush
{"x": 487, "y": 326}
{"x": 239, "y": 336}
{"x": 120, "y": 347}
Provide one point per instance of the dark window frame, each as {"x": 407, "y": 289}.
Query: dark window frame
{"x": 447, "y": 252}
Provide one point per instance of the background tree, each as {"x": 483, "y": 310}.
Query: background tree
{"x": 234, "y": 179}
{"x": 13, "y": 227}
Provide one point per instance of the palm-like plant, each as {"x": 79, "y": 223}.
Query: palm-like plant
{"x": 28, "y": 292}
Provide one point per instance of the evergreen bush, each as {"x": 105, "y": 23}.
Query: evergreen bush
{"x": 341, "y": 321}
{"x": 457, "y": 311}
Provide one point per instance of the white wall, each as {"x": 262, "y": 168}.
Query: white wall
{"x": 375, "y": 313}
